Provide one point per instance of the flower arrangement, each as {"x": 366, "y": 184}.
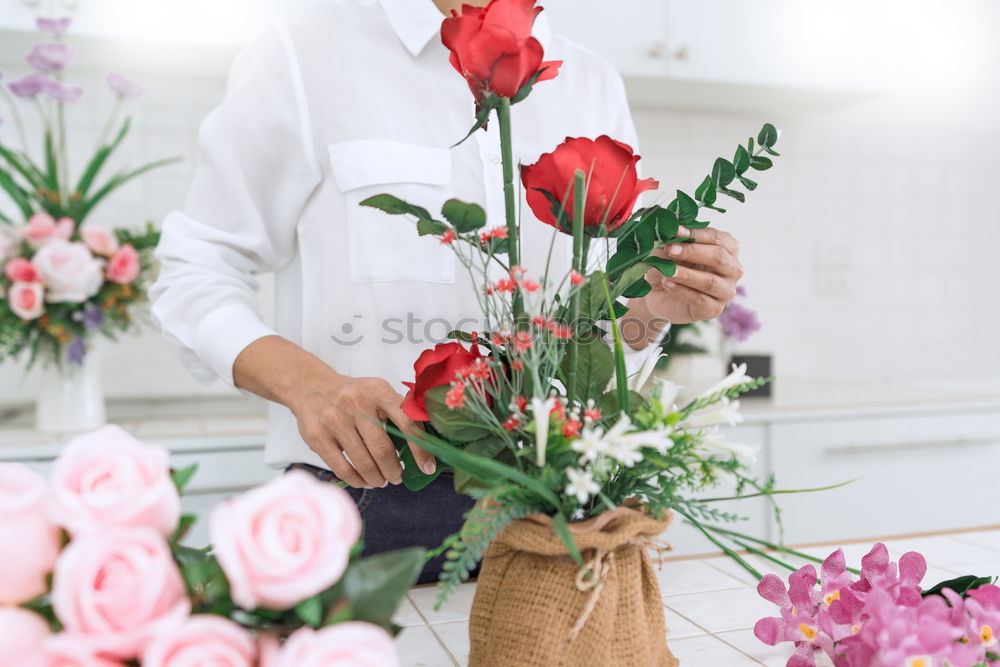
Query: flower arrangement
{"x": 882, "y": 618}
{"x": 537, "y": 414}
{"x": 63, "y": 281}
{"x": 95, "y": 573}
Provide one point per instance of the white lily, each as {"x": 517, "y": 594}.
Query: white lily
{"x": 737, "y": 377}
{"x": 581, "y": 484}
{"x": 666, "y": 393}
{"x": 590, "y": 444}
{"x": 725, "y": 411}
{"x": 716, "y": 443}
{"x": 658, "y": 439}
{"x": 541, "y": 408}
{"x": 653, "y": 356}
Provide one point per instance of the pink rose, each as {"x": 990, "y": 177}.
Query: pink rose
{"x": 100, "y": 240}
{"x": 42, "y": 228}
{"x": 27, "y": 300}
{"x": 108, "y": 479}
{"x": 124, "y": 266}
{"x": 29, "y": 541}
{"x": 21, "y": 270}
{"x": 70, "y": 272}
{"x": 67, "y": 650}
{"x": 352, "y": 644}
{"x": 202, "y": 640}
{"x": 284, "y": 541}
{"x": 21, "y": 633}
{"x": 119, "y": 590}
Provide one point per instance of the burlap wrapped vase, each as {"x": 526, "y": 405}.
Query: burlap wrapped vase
{"x": 534, "y": 606}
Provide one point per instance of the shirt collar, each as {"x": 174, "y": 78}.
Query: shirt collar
{"x": 417, "y": 22}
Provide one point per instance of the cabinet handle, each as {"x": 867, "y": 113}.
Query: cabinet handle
{"x": 683, "y": 53}
{"x": 909, "y": 446}
{"x": 658, "y": 50}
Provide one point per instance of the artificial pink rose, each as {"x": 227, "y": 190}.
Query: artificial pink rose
{"x": 124, "y": 266}
{"x": 119, "y": 589}
{"x": 42, "y": 228}
{"x": 107, "y": 479}
{"x": 68, "y": 650}
{"x": 29, "y": 541}
{"x": 202, "y": 640}
{"x": 352, "y": 644}
{"x": 100, "y": 240}
{"x": 284, "y": 541}
{"x": 22, "y": 633}
{"x": 70, "y": 272}
{"x": 21, "y": 270}
{"x": 27, "y": 300}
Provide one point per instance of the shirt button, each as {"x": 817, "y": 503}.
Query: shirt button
{"x": 496, "y": 159}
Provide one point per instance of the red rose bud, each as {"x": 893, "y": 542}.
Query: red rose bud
{"x": 493, "y": 49}
{"x": 435, "y": 368}
{"x": 613, "y": 185}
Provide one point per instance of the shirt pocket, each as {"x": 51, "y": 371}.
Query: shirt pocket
{"x": 387, "y": 247}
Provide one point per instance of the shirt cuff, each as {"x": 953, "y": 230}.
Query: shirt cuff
{"x": 225, "y": 333}
{"x": 635, "y": 359}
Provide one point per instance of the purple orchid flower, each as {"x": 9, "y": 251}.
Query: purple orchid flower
{"x": 739, "y": 322}
{"x": 61, "y": 93}
{"x": 123, "y": 87}
{"x": 741, "y": 291}
{"x": 51, "y": 57}
{"x": 76, "y": 351}
{"x": 799, "y": 605}
{"x": 29, "y": 86}
{"x": 54, "y": 26}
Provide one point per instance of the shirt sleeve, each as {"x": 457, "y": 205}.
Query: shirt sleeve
{"x": 256, "y": 169}
{"x": 623, "y": 129}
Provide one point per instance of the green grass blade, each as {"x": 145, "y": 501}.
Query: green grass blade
{"x": 116, "y": 182}
{"x": 100, "y": 157}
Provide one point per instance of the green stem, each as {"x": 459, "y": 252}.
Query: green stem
{"x": 621, "y": 374}
{"x": 18, "y": 122}
{"x": 728, "y": 551}
{"x": 513, "y": 233}
{"x": 579, "y": 207}
{"x": 770, "y": 545}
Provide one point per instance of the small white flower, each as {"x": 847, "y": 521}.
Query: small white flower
{"x": 541, "y": 409}
{"x": 581, "y": 484}
{"x": 659, "y": 439}
{"x": 626, "y": 452}
{"x": 666, "y": 393}
{"x": 737, "y": 377}
{"x": 653, "y": 356}
{"x": 715, "y": 442}
{"x": 723, "y": 412}
{"x": 590, "y": 444}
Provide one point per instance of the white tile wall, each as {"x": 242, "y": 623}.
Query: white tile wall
{"x": 869, "y": 249}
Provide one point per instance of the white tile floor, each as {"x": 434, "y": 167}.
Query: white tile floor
{"x": 711, "y": 603}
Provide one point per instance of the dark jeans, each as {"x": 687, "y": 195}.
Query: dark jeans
{"x": 396, "y": 518}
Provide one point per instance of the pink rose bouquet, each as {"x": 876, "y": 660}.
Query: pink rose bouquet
{"x": 62, "y": 283}
{"x": 94, "y": 572}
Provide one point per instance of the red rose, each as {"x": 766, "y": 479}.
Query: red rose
{"x": 493, "y": 49}
{"x": 435, "y": 368}
{"x": 613, "y": 185}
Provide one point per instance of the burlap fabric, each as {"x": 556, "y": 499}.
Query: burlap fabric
{"x": 534, "y": 607}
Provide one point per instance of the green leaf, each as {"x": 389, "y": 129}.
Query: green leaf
{"x": 747, "y": 183}
{"x": 723, "y": 172}
{"x": 706, "y": 191}
{"x": 310, "y": 611}
{"x": 621, "y": 260}
{"x": 51, "y": 168}
{"x": 414, "y": 478}
{"x": 339, "y": 614}
{"x": 561, "y": 527}
{"x": 100, "y": 157}
{"x": 628, "y": 278}
{"x": 594, "y": 367}
{"x": 741, "y": 161}
{"x": 113, "y": 184}
{"x": 638, "y": 289}
{"x": 183, "y": 476}
{"x": 665, "y": 223}
{"x": 456, "y": 425}
{"x": 667, "y": 267}
{"x": 961, "y": 585}
{"x": 592, "y": 301}
{"x": 431, "y": 227}
{"x": 684, "y": 207}
{"x": 21, "y": 198}
{"x": 735, "y": 194}
{"x": 183, "y": 526}
{"x": 761, "y": 163}
{"x": 620, "y": 308}
{"x": 768, "y": 136}
{"x": 396, "y": 206}
{"x": 464, "y": 217}
{"x": 482, "y": 118}
{"x": 526, "y": 89}
{"x": 374, "y": 586}
{"x": 23, "y": 166}
{"x": 487, "y": 447}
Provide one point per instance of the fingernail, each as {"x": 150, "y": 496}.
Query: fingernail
{"x": 397, "y": 482}
{"x": 369, "y": 488}
{"x": 428, "y": 468}
{"x": 683, "y": 232}
{"x": 676, "y": 249}
{"x": 669, "y": 284}
{"x": 384, "y": 484}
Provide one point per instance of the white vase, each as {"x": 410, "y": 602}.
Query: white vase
{"x": 71, "y": 396}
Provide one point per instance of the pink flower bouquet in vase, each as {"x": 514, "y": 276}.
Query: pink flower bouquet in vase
{"x": 64, "y": 282}
{"x": 96, "y": 573}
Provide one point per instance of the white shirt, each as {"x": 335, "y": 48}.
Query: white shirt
{"x": 340, "y": 101}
